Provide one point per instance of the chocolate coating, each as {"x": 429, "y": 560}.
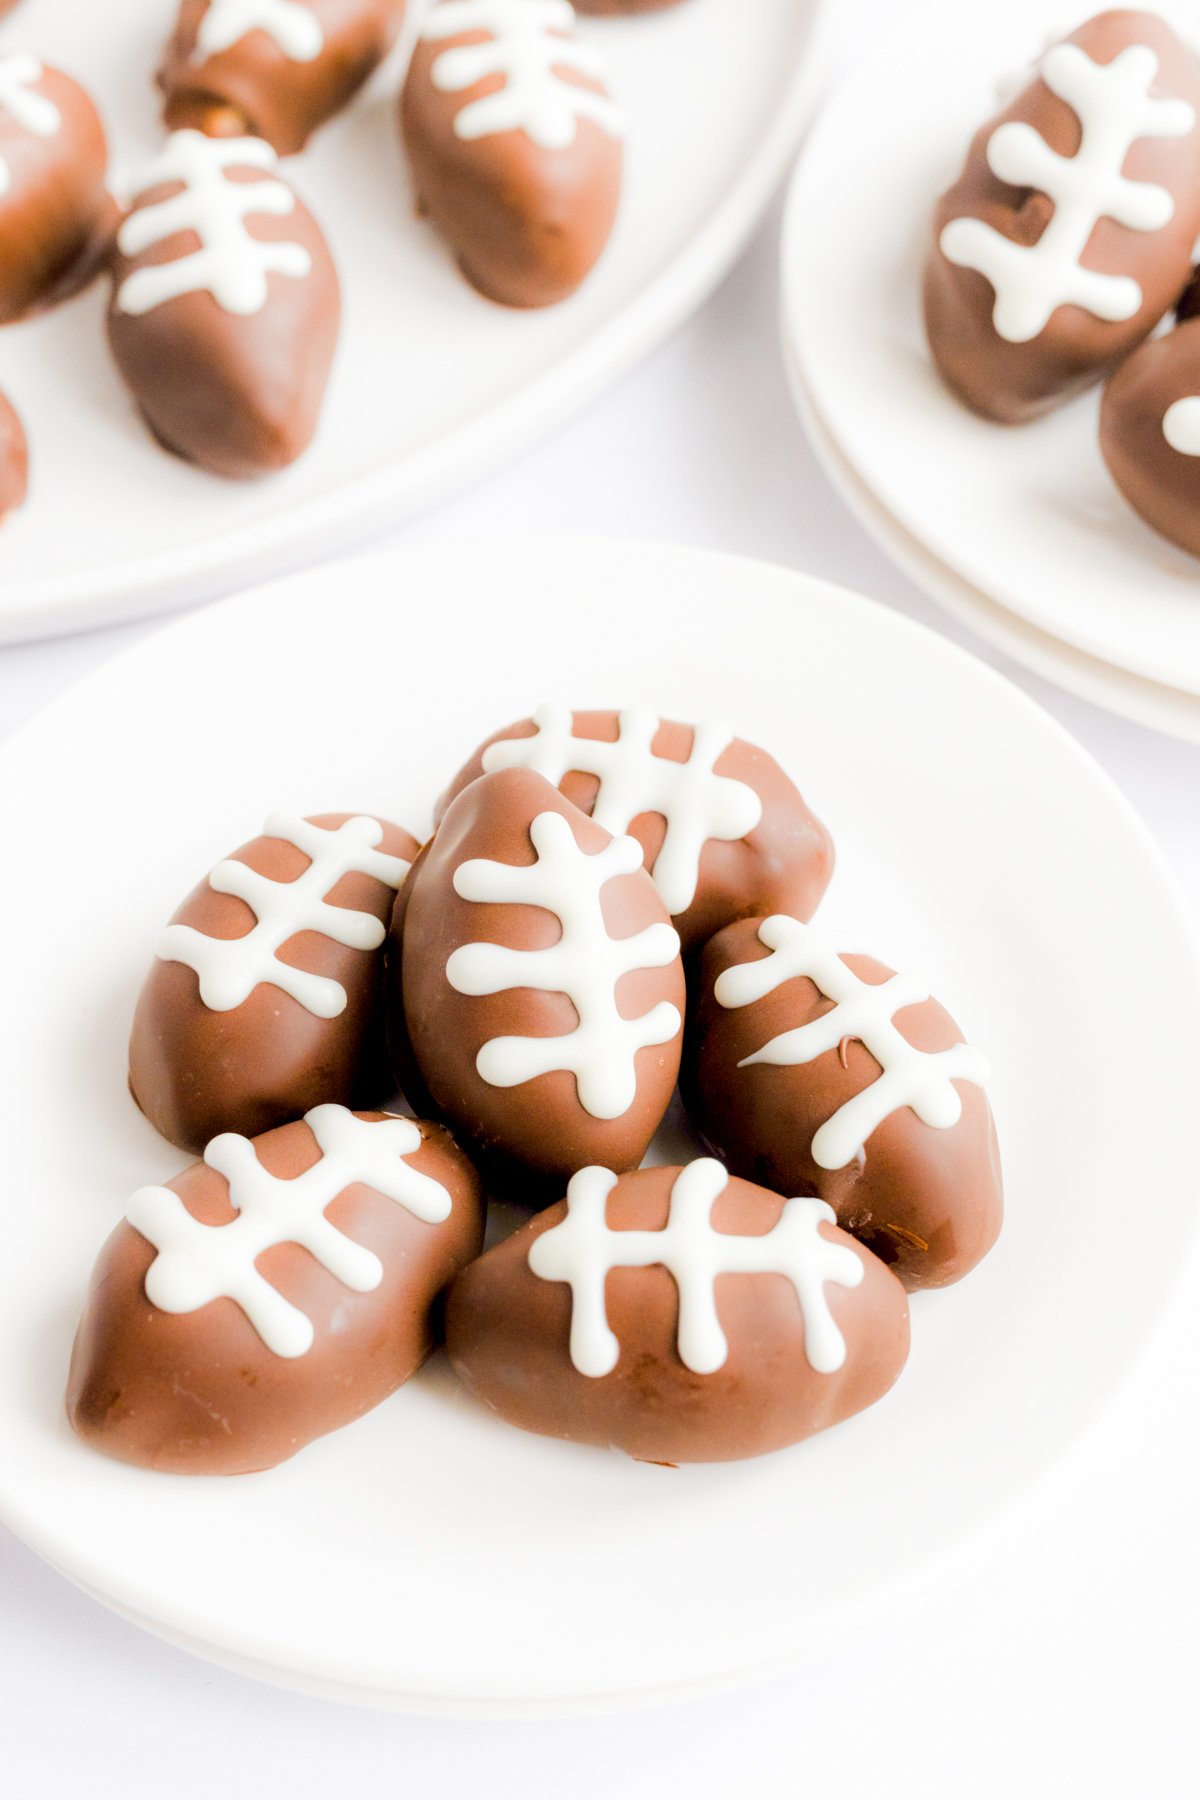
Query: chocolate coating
{"x": 534, "y": 1135}
{"x": 255, "y": 87}
{"x": 928, "y": 1201}
{"x": 195, "y": 1072}
{"x": 508, "y": 1334}
{"x": 199, "y": 1393}
{"x": 1159, "y": 481}
{"x": 1189, "y": 301}
{"x": 56, "y": 214}
{"x": 239, "y": 394}
{"x": 14, "y": 459}
{"x": 526, "y": 223}
{"x": 783, "y": 865}
{"x": 1012, "y": 382}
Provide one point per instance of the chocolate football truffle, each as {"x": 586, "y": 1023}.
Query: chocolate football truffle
{"x": 537, "y": 989}
{"x": 266, "y": 994}
{"x": 14, "y": 460}
{"x": 515, "y": 145}
{"x": 276, "y": 69}
{"x": 725, "y": 833}
{"x": 272, "y": 1293}
{"x": 817, "y": 1073}
{"x": 1150, "y": 433}
{"x": 56, "y": 214}
{"x": 1069, "y": 233}
{"x": 680, "y": 1315}
{"x": 225, "y": 307}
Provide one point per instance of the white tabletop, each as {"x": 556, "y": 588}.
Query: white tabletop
{"x": 1067, "y": 1663}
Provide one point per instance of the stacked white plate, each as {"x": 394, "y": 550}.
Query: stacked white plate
{"x": 1017, "y": 531}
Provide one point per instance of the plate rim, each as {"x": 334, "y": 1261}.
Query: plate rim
{"x": 1136, "y": 698}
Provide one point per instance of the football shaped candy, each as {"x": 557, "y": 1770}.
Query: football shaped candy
{"x": 725, "y": 833}
{"x": 14, "y": 459}
{"x": 266, "y": 995}
{"x": 225, "y": 307}
{"x": 271, "y": 1293}
{"x": 1150, "y": 433}
{"x": 680, "y": 1315}
{"x": 537, "y": 988}
{"x": 274, "y": 68}
{"x": 1069, "y": 233}
{"x": 56, "y": 215}
{"x": 515, "y": 145}
{"x": 817, "y": 1073}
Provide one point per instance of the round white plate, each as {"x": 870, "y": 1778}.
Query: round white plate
{"x": 1149, "y": 703}
{"x": 433, "y": 385}
{"x": 431, "y": 1556}
{"x": 1026, "y": 515}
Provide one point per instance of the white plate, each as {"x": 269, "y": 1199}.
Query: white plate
{"x": 1149, "y": 703}
{"x": 433, "y": 385}
{"x": 1027, "y": 515}
{"x": 429, "y": 1555}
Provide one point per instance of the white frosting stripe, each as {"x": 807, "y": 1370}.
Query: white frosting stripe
{"x": 198, "y": 1263}
{"x": 229, "y": 969}
{"x": 586, "y": 964}
{"x": 33, "y": 112}
{"x": 1181, "y": 425}
{"x": 530, "y": 43}
{"x": 864, "y": 1013}
{"x": 293, "y": 27}
{"x": 1115, "y": 109}
{"x": 695, "y": 803}
{"x": 582, "y": 1250}
{"x": 231, "y": 264}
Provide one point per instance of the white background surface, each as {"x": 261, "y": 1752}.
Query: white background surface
{"x": 1068, "y": 1665}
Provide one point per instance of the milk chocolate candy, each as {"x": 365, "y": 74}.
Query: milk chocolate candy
{"x": 266, "y": 993}
{"x": 537, "y": 993}
{"x": 818, "y": 1073}
{"x": 1150, "y": 433}
{"x": 1069, "y": 233}
{"x": 725, "y": 833}
{"x": 56, "y": 215}
{"x": 14, "y": 460}
{"x": 680, "y": 1315}
{"x": 225, "y": 308}
{"x": 515, "y": 145}
{"x": 272, "y": 1293}
{"x": 276, "y": 69}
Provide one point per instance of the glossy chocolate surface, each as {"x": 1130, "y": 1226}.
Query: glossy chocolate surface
{"x": 199, "y": 1393}
{"x": 508, "y": 1334}
{"x": 56, "y": 214}
{"x": 927, "y": 1200}
{"x": 240, "y": 394}
{"x": 783, "y": 865}
{"x": 1011, "y": 382}
{"x": 195, "y": 1072}
{"x": 255, "y": 86}
{"x": 526, "y": 223}
{"x": 1159, "y": 481}
{"x": 531, "y": 1137}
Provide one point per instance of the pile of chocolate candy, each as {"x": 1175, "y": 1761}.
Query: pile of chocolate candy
{"x": 611, "y": 908}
